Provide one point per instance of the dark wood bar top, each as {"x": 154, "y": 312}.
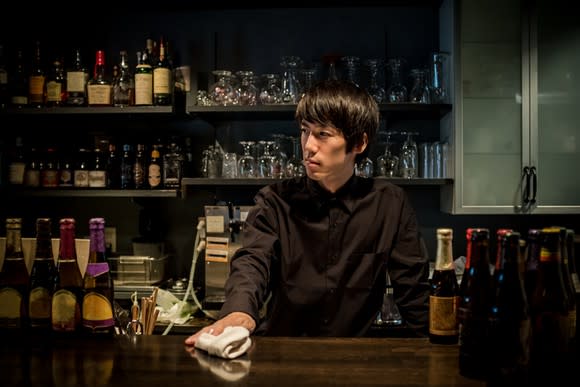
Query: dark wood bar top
{"x": 165, "y": 361}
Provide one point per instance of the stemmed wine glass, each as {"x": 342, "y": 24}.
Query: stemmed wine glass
{"x": 266, "y": 161}
{"x": 247, "y": 162}
{"x": 388, "y": 162}
{"x": 295, "y": 166}
{"x": 409, "y": 158}
{"x": 375, "y": 90}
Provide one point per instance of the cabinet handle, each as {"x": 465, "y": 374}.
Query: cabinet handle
{"x": 526, "y": 185}
{"x": 534, "y": 184}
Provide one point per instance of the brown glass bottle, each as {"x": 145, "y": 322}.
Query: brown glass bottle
{"x": 68, "y": 295}
{"x": 37, "y": 80}
{"x": 98, "y": 310}
{"x": 510, "y": 325}
{"x": 14, "y": 280}
{"x": 549, "y": 310}
{"x": 42, "y": 277}
{"x": 474, "y": 305}
{"x": 444, "y": 293}
{"x": 532, "y": 259}
{"x": 568, "y": 285}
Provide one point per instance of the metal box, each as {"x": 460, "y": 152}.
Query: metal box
{"x": 138, "y": 270}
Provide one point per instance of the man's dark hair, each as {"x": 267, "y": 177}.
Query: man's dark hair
{"x": 344, "y": 106}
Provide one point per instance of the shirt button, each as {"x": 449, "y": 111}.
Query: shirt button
{"x": 332, "y": 291}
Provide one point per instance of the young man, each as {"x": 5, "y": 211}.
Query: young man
{"x": 321, "y": 244}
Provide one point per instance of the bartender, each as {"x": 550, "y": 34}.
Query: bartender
{"x": 317, "y": 248}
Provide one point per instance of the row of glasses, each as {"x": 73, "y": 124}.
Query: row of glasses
{"x": 272, "y": 161}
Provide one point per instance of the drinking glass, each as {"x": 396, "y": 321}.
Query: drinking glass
{"x": 229, "y": 165}
{"x": 247, "y": 162}
{"x": 270, "y": 92}
{"x": 295, "y": 166}
{"x": 420, "y": 92}
{"x": 397, "y": 91}
{"x": 439, "y": 77}
{"x": 388, "y": 162}
{"x": 291, "y": 89}
{"x": 364, "y": 168}
{"x": 265, "y": 160}
{"x": 375, "y": 90}
{"x": 247, "y": 90}
{"x": 351, "y": 65}
{"x": 409, "y": 158}
{"x": 222, "y": 92}
{"x": 279, "y": 157}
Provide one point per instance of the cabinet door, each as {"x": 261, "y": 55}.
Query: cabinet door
{"x": 491, "y": 111}
{"x": 556, "y": 96}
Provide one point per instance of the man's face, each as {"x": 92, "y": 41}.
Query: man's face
{"x": 325, "y": 156}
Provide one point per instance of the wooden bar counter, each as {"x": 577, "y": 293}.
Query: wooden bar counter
{"x": 164, "y": 361}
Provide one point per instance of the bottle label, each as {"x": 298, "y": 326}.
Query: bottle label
{"x": 161, "y": 80}
{"x": 99, "y": 94}
{"x": 32, "y": 178}
{"x": 154, "y": 175}
{"x": 65, "y": 311}
{"x": 144, "y": 89}
{"x": 10, "y": 304}
{"x": 75, "y": 82}
{"x": 81, "y": 178}
{"x": 49, "y": 178}
{"x": 36, "y": 88}
{"x": 443, "y": 316}
{"x": 96, "y": 269}
{"x": 97, "y": 311}
{"x": 16, "y": 173}
{"x": 39, "y": 304}
{"x": 97, "y": 179}
{"x": 53, "y": 91}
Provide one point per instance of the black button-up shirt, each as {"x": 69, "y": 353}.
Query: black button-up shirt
{"x": 323, "y": 257}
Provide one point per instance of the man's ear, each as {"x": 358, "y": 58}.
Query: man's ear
{"x": 359, "y": 148}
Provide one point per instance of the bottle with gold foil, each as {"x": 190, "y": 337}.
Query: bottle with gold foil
{"x": 14, "y": 280}
{"x": 68, "y": 294}
{"x": 98, "y": 301}
{"x": 510, "y": 325}
{"x": 444, "y": 293}
{"x": 474, "y": 306}
{"x": 549, "y": 310}
{"x": 162, "y": 78}
{"x": 42, "y": 277}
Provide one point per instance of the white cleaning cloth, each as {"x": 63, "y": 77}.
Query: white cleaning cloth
{"x": 231, "y": 343}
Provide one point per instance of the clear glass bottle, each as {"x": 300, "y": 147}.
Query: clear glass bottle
{"x": 444, "y": 293}
{"x": 172, "y": 166}
{"x": 124, "y": 83}
{"x": 14, "y": 280}
{"x": 99, "y": 87}
{"x": 97, "y": 307}
{"x": 126, "y": 167}
{"x": 77, "y": 77}
{"x": 68, "y": 293}
{"x": 139, "y": 168}
{"x": 389, "y": 314}
{"x": 42, "y": 277}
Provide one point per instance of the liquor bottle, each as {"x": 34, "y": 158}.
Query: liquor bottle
{"x": 66, "y": 168}
{"x": 126, "y": 167}
{"x": 37, "y": 80}
{"x": 4, "y": 92}
{"x": 77, "y": 77}
{"x": 572, "y": 259}
{"x": 162, "y": 79}
{"x": 444, "y": 293}
{"x": 17, "y": 164}
{"x": 474, "y": 306}
{"x": 510, "y": 325}
{"x": 32, "y": 170}
{"x": 42, "y": 277}
{"x": 14, "y": 279}
{"x": 99, "y": 87}
{"x": 98, "y": 311}
{"x": 124, "y": 83}
{"x": 68, "y": 294}
{"x": 18, "y": 83}
{"x": 55, "y": 85}
{"x": 172, "y": 166}
{"x": 139, "y": 168}
{"x": 154, "y": 169}
{"x": 113, "y": 167}
{"x": 49, "y": 170}
{"x": 532, "y": 260}
{"x": 98, "y": 170}
{"x": 143, "y": 81}
{"x": 549, "y": 310}
{"x": 81, "y": 169}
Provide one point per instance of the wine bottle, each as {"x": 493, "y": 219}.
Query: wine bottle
{"x": 98, "y": 170}
{"x": 510, "y": 325}
{"x": 14, "y": 279}
{"x": 140, "y": 168}
{"x": 18, "y": 84}
{"x": 444, "y": 293}
{"x": 569, "y": 286}
{"x": 126, "y": 167}
{"x": 532, "y": 261}
{"x": 549, "y": 310}
{"x": 68, "y": 294}
{"x": 99, "y": 87}
{"x": 42, "y": 277}
{"x": 98, "y": 311}
{"x": 55, "y": 85}
{"x": 143, "y": 81}
{"x": 37, "y": 80}
{"x": 77, "y": 77}
{"x": 17, "y": 163}
{"x": 474, "y": 306}
{"x": 4, "y": 92}
{"x": 162, "y": 79}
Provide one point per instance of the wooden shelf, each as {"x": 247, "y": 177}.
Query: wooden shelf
{"x": 89, "y": 192}
{"x": 192, "y": 182}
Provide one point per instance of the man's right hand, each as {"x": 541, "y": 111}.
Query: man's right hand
{"x": 234, "y": 319}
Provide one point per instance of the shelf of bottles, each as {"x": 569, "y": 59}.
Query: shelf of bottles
{"x": 204, "y": 182}
{"x": 88, "y": 192}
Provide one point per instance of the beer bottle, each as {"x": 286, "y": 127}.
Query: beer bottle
{"x": 68, "y": 295}
{"x": 42, "y": 277}
{"x": 444, "y": 293}
{"x": 14, "y": 279}
{"x": 98, "y": 283}
{"x": 474, "y": 306}
{"x": 510, "y": 325}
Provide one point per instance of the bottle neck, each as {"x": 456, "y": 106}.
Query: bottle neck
{"x": 444, "y": 259}
{"x": 43, "y": 246}
{"x": 67, "y": 244}
{"x": 14, "y": 243}
{"x": 97, "y": 242}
